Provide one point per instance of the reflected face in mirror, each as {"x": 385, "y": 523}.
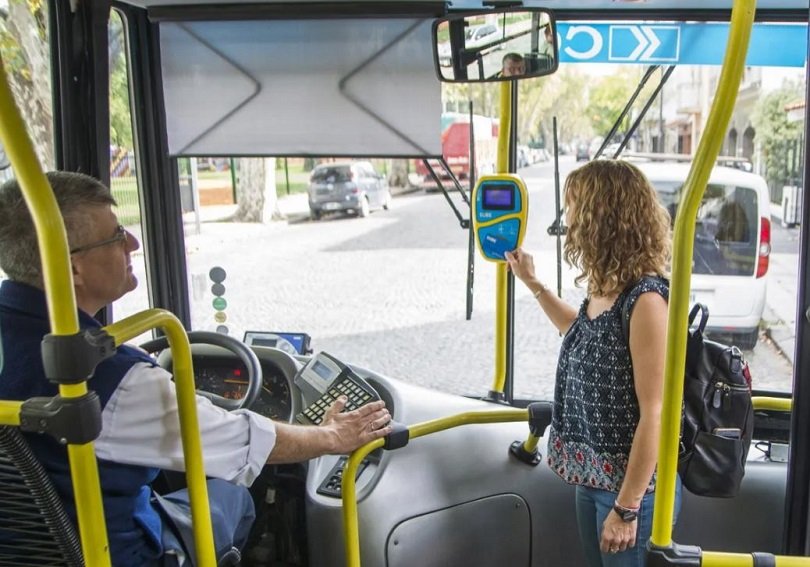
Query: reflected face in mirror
{"x": 496, "y": 45}
{"x": 513, "y": 65}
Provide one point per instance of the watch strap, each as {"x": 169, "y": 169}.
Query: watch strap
{"x": 626, "y": 514}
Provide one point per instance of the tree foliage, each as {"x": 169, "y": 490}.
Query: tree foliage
{"x": 609, "y": 96}
{"x": 120, "y": 115}
{"x": 778, "y": 137}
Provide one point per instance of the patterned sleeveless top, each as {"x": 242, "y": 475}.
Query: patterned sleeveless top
{"x": 595, "y": 405}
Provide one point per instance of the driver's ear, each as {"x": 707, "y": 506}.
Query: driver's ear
{"x": 78, "y": 272}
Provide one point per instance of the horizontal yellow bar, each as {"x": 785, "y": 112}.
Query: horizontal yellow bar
{"x": 718, "y": 559}
{"x": 776, "y": 404}
{"x": 10, "y": 413}
{"x": 350, "y": 521}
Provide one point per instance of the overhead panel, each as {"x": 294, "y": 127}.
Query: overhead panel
{"x": 340, "y": 87}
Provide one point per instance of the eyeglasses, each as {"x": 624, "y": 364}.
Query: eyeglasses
{"x": 120, "y": 236}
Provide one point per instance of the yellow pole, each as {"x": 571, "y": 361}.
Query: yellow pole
{"x": 777, "y": 404}
{"x": 501, "y": 271}
{"x": 742, "y": 18}
{"x": 62, "y": 310}
{"x": 189, "y": 425}
{"x": 717, "y": 559}
{"x": 351, "y": 529}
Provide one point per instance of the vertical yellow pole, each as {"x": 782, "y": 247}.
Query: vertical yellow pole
{"x": 501, "y": 271}
{"x": 58, "y": 278}
{"x": 742, "y": 18}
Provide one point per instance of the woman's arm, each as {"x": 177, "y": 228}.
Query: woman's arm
{"x": 648, "y": 332}
{"x": 560, "y": 313}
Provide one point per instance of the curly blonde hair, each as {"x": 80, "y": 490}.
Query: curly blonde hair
{"x": 617, "y": 230}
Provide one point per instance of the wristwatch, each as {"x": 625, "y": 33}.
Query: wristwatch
{"x": 626, "y": 514}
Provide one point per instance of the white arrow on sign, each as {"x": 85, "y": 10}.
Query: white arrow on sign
{"x": 647, "y": 45}
{"x": 645, "y": 37}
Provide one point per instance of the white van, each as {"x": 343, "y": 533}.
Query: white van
{"x": 732, "y": 245}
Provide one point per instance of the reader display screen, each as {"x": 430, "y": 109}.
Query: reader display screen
{"x": 259, "y": 341}
{"x": 499, "y": 197}
{"x": 322, "y": 370}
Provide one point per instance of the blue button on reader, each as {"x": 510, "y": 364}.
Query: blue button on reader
{"x": 500, "y": 208}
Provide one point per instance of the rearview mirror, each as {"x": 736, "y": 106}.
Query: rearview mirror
{"x": 498, "y": 45}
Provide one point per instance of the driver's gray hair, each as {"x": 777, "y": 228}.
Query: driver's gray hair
{"x": 19, "y": 252}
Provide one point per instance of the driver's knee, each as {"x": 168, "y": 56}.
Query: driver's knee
{"x": 232, "y": 514}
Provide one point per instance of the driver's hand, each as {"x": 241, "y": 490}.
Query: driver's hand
{"x": 356, "y": 428}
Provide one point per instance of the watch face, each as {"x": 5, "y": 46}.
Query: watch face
{"x": 626, "y": 515}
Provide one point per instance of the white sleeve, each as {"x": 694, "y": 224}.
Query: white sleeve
{"x": 140, "y": 426}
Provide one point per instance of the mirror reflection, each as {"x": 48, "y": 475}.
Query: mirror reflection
{"x": 495, "y": 46}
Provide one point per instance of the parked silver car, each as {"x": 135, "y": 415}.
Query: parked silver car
{"x": 351, "y": 187}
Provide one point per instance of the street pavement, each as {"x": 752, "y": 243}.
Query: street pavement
{"x": 781, "y": 302}
{"x": 365, "y": 245}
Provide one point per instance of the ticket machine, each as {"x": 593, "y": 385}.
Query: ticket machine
{"x": 500, "y": 209}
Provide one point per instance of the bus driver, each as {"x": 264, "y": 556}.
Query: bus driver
{"x": 140, "y": 429}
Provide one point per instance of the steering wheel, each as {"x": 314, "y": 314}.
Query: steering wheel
{"x": 245, "y": 354}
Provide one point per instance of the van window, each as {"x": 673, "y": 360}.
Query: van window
{"x": 726, "y": 230}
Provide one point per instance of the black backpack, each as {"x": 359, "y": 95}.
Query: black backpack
{"x": 717, "y": 421}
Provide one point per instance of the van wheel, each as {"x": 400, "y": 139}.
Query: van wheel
{"x": 746, "y": 341}
{"x": 364, "y": 209}
{"x": 314, "y": 214}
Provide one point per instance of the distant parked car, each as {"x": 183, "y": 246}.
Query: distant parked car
{"x": 351, "y": 187}
{"x": 479, "y": 36}
{"x": 583, "y": 152}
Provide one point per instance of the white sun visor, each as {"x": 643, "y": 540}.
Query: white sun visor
{"x": 339, "y": 87}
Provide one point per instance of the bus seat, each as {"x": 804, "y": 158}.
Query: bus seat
{"x": 34, "y": 527}
{"x": 536, "y": 62}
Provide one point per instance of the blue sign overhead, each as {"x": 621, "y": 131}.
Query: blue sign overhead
{"x": 771, "y": 45}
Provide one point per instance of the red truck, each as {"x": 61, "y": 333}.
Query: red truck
{"x": 456, "y": 148}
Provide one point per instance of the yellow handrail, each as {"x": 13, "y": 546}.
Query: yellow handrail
{"x": 777, "y": 404}
{"x": 718, "y": 559}
{"x": 351, "y": 531}
{"x": 63, "y": 314}
{"x": 58, "y": 280}
{"x": 501, "y": 269}
{"x": 742, "y": 18}
{"x": 182, "y": 369}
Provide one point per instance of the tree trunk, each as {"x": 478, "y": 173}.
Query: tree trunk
{"x": 250, "y": 189}
{"x": 30, "y": 77}
{"x": 398, "y": 175}
{"x": 256, "y": 191}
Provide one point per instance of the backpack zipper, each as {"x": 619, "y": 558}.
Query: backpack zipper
{"x": 722, "y": 394}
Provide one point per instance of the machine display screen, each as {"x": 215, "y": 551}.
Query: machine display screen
{"x": 499, "y": 197}
{"x": 259, "y": 341}
{"x": 322, "y": 370}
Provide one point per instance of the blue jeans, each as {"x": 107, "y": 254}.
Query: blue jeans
{"x": 593, "y": 506}
{"x": 232, "y": 515}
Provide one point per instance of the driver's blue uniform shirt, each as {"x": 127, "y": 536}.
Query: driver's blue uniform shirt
{"x": 133, "y": 525}
{"x": 140, "y": 427}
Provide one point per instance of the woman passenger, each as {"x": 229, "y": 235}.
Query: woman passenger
{"x": 607, "y": 407}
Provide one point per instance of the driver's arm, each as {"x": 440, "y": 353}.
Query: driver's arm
{"x": 141, "y": 426}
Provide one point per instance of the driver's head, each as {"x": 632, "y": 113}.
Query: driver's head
{"x": 513, "y": 65}
{"x": 100, "y": 250}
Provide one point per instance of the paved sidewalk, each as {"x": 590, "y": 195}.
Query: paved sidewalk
{"x": 781, "y": 301}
